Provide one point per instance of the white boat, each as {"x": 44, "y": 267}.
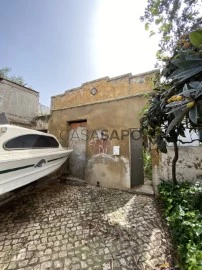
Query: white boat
{"x": 27, "y": 155}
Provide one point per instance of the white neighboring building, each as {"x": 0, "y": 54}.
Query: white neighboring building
{"x": 43, "y": 110}
{"x": 20, "y": 103}
{"x": 21, "y": 106}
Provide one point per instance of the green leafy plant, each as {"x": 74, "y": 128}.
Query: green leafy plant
{"x": 183, "y": 213}
{"x": 4, "y": 73}
{"x": 171, "y": 19}
{"x": 147, "y": 164}
{"x": 176, "y": 102}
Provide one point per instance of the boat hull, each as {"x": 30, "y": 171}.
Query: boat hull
{"x": 16, "y": 172}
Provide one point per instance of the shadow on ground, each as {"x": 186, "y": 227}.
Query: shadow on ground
{"x": 51, "y": 225}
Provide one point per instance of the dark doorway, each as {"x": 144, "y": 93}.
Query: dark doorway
{"x": 136, "y": 158}
{"x": 77, "y": 141}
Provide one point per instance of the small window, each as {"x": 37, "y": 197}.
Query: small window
{"x": 31, "y": 141}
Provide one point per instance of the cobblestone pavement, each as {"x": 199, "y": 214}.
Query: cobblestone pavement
{"x": 58, "y": 226}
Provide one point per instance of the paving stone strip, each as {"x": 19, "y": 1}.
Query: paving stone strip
{"x": 58, "y": 226}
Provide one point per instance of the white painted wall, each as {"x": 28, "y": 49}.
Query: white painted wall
{"x": 190, "y": 136}
{"x": 19, "y": 101}
{"x": 189, "y": 165}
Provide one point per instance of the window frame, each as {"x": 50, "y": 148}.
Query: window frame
{"x": 30, "y": 148}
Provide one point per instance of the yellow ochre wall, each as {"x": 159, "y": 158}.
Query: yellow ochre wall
{"x": 115, "y": 106}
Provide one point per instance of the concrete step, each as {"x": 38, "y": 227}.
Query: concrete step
{"x": 146, "y": 189}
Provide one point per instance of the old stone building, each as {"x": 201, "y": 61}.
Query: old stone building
{"x": 21, "y": 106}
{"x": 42, "y": 118}
{"x": 100, "y": 121}
{"x": 20, "y": 103}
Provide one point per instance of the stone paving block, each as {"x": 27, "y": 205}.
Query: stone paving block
{"x": 46, "y": 265}
{"x": 58, "y": 226}
{"x": 45, "y": 258}
{"x": 12, "y": 265}
{"x": 58, "y": 264}
{"x": 23, "y": 263}
{"x": 37, "y": 267}
{"x": 33, "y": 261}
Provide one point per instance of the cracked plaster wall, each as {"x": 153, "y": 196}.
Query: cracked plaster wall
{"x": 115, "y": 106}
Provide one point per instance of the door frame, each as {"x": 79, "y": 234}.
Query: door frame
{"x": 69, "y": 129}
{"x": 136, "y": 160}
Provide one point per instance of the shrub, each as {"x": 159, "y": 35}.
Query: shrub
{"x": 147, "y": 164}
{"x": 182, "y": 206}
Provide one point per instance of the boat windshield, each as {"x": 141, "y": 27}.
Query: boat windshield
{"x": 31, "y": 141}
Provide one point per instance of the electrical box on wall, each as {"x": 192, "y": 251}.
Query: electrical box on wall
{"x": 116, "y": 150}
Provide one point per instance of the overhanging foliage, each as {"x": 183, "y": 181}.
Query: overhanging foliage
{"x": 176, "y": 102}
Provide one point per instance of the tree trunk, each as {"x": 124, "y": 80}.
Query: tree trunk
{"x": 174, "y": 161}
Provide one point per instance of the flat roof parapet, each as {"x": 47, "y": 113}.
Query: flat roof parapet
{"x": 129, "y": 75}
{"x": 19, "y": 85}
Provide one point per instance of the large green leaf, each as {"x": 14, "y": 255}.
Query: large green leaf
{"x": 175, "y": 110}
{"x": 177, "y": 120}
{"x": 161, "y": 144}
{"x": 199, "y": 112}
{"x": 188, "y": 93}
{"x": 196, "y": 38}
{"x": 181, "y": 75}
{"x": 194, "y": 92}
{"x": 188, "y": 62}
{"x": 198, "y": 92}
{"x": 195, "y": 84}
{"x": 176, "y": 103}
{"x": 193, "y": 115}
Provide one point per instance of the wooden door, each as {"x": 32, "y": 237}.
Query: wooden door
{"x": 77, "y": 141}
{"x": 136, "y": 158}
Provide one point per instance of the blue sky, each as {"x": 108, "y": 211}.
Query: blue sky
{"x": 57, "y": 45}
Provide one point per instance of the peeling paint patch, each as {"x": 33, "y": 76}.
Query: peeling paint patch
{"x": 109, "y": 171}
{"x": 189, "y": 165}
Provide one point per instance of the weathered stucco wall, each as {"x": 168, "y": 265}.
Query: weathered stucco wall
{"x": 42, "y": 122}
{"x": 189, "y": 165}
{"x": 18, "y": 102}
{"x": 115, "y": 108}
{"x": 107, "y": 89}
{"x": 101, "y": 165}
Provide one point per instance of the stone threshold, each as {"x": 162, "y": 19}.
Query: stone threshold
{"x": 146, "y": 189}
